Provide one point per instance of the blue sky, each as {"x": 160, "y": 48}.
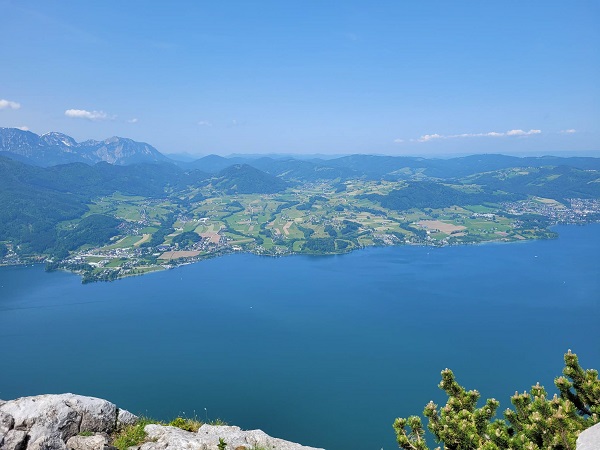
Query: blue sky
{"x": 388, "y": 77}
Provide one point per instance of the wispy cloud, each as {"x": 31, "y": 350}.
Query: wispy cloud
{"x": 23, "y": 128}
{"x": 7, "y": 104}
{"x": 430, "y": 137}
{"x": 205, "y": 123}
{"x": 522, "y": 133}
{"x": 89, "y": 115}
{"x": 569, "y": 131}
{"x": 494, "y": 134}
{"x": 134, "y": 120}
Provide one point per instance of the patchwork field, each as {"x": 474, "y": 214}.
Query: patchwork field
{"x": 444, "y": 227}
{"x": 313, "y": 218}
{"x": 178, "y": 254}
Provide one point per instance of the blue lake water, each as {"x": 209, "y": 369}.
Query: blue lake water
{"x": 325, "y": 351}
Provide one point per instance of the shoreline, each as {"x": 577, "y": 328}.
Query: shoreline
{"x": 229, "y": 251}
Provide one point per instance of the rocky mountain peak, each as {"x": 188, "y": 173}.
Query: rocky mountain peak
{"x": 58, "y": 148}
{"x": 60, "y": 139}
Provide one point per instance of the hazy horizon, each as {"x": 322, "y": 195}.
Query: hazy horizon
{"x": 564, "y": 154}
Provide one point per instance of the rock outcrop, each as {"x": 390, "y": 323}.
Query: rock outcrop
{"x": 207, "y": 438}
{"x": 589, "y": 439}
{"x": 74, "y": 422}
{"x": 47, "y": 422}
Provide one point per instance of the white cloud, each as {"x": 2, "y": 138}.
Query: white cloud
{"x": 398, "y": 141}
{"x": 205, "y": 123}
{"x": 89, "y": 115}
{"x": 7, "y": 104}
{"x": 134, "y": 120}
{"x": 522, "y": 133}
{"x": 569, "y": 131}
{"x": 23, "y": 128}
{"x": 430, "y": 137}
{"x": 436, "y": 136}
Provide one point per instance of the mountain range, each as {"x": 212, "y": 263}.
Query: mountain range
{"x": 57, "y": 148}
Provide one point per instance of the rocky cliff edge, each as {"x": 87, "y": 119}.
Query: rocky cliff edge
{"x": 75, "y": 422}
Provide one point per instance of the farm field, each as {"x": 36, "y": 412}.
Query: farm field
{"x": 312, "y": 218}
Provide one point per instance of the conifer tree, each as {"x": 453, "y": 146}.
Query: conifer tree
{"x": 536, "y": 422}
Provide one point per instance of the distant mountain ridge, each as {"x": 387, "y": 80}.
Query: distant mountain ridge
{"x": 57, "y": 148}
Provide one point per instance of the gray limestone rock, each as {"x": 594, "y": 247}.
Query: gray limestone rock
{"x": 47, "y": 442}
{"x": 589, "y": 439}
{"x": 53, "y": 422}
{"x": 14, "y": 440}
{"x": 124, "y": 417}
{"x": 207, "y": 438}
{"x": 95, "y": 442}
{"x": 48, "y": 421}
{"x": 7, "y": 422}
{"x": 61, "y": 416}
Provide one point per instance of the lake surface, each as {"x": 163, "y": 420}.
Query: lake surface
{"x": 325, "y": 351}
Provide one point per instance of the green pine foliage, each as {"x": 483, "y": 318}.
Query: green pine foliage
{"x": 536, "y": 422}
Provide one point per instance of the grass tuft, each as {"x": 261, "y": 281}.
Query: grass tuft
{"x": 217, "y": 422}
{"x": 132, "y": 435}
{"x": 186, "y": 424}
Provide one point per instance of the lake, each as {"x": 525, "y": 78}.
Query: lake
{"x": 325, "y": 351}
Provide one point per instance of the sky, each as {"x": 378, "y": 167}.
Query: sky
{"x": 306, "y": 77}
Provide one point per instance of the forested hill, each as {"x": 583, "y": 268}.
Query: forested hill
{"x": 35, "y": 199}
{"x": 245, "y": 179}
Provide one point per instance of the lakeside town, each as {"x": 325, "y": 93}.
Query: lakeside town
{"x": 278, "y": 225}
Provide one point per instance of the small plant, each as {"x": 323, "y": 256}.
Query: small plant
{"x": 217, "y": 422}
{"x": 186, "y": 424}
{"x": 132, "y": 435}
{"x": 222, "y": 444}
{"x": 86, "y": 433}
